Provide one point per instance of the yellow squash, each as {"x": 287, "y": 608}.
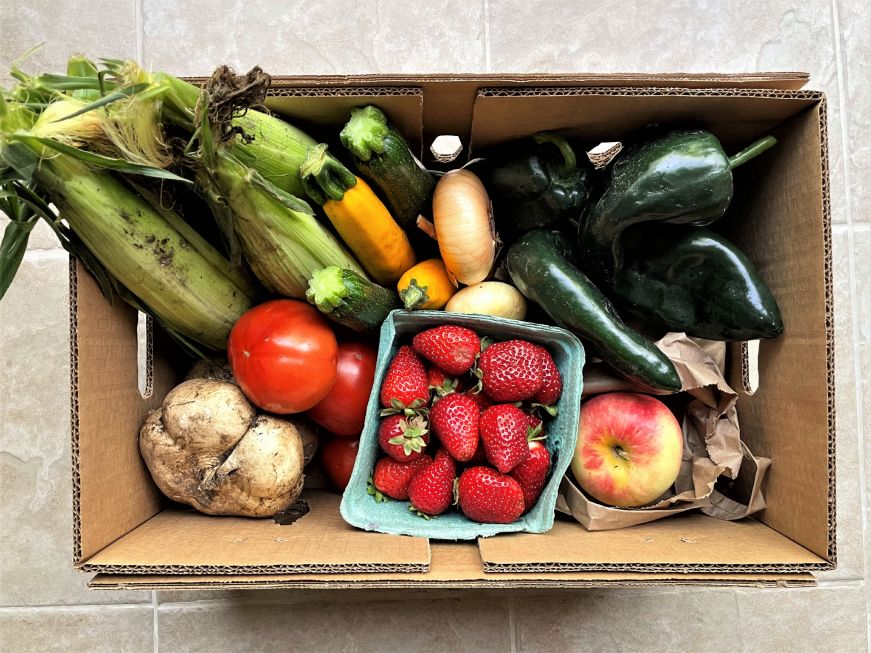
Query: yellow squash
{"x": 360, "y": 218}
{"x": 426, "y": 286}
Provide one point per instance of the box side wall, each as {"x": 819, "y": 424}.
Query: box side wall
{"x": 112, "y": 490}
{"x": 609, "y": 114}
{"x": 176, "y": 542}
{"x": 450, "y": 98}
{"x": 322, "y": 112}
{"x": 786, "y": 232}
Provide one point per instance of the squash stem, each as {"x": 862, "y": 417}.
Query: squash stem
{"x": 327, "y": 288}
{"x": 324, "y": 177}
{"x": 414, "y": 295}
{"x": 751, "y": 151}
{"x": 570, "y": 161}
{"x": 365, "y": 133}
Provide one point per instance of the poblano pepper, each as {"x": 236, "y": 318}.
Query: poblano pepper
{"x": 691, "y": 279}
{"x": 539, "y": 265}
{"x": 681, "y": 177}
{"x": 537, "y": 183}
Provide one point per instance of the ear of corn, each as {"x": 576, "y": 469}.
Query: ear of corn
{"x": 280, "y": 237}
{"x": 186, "y": 286}
{"x": 144, "y": 252}
{"x": 276, "y": 151}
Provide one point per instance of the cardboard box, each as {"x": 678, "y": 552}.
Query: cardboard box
{"x": 780, "y": 217}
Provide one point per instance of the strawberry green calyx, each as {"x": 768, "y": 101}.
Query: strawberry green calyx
{"x": 552, "y": 410}
{"x": 420, "y": 514}
{"x": 416, "y": 407}
{"x": 536, "y": 433}
{"x": 411, "y": 439}
{"x": 372, "y": 491}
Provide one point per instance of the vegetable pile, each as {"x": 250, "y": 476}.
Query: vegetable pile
{"x": 243, "y": 236}
{"x": 462, "y": 424}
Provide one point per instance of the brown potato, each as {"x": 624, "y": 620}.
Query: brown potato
{"x": 207, "y": 448}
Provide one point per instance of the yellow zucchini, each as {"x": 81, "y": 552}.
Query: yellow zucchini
{"x": 360, "y": 218}
{"x": 426, "y": 286}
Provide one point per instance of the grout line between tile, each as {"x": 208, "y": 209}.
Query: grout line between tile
{"x": 851, "y": 267}
{"x": 842, "y": 107}
{"x": 512, "y": 624}
{"x": 72, "y": 608}
{"x": 487, "y": 35}
{"x": 137, "y": 14}
{"x": 154, "y": 633}
{"x": 42, "y": 255}
{"x": 857, "y": 581}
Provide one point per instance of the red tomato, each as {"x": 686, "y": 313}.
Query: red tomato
{"x": 337, "y": 458}
{"x": 343, "y": 410}
{"x": 283, "y": 355}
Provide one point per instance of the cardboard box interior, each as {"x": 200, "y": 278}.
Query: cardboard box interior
{"x": 779, "y": 216}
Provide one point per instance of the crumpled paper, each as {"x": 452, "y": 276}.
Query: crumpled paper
{"x": 718, "y": 473}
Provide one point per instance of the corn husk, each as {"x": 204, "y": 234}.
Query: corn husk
{"x": 279, "y": 235}
{"x": 187, "y": 285}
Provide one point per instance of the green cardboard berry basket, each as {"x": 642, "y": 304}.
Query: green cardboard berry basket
{"x": 360, "y": 509}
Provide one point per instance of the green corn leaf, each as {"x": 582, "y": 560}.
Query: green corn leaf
{"x": 187, "y": 345}
{"x": 107, "y": 99}
{"x": 100, "y": 161}
{"x": 20, "y": 159}
{"x": 55, "y": 82}
{"x": 31, "y": 201}
{"x": 12, "y": 249}
{"x": 79, "y": 66}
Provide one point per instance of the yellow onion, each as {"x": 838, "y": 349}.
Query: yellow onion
{"x": 489, "y": 298}
{"x": 463, "y": 226}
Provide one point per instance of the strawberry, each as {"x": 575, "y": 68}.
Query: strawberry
{"x": 431, "y": 490}
{"x": 454, "y": 420}
{"x": 510, "y": 371}
{"x": 552, "y": 381}
{"x": 532, "y": 472}
{"x": 405, "y": 385}
{"x": 487, "y": 496}
{"x": 480, "y": 398}
{"x": 451, "y": 348}
{"x": 503, "y": 429}
{"x": 403, "y": 438}
{"x": 479, "y": 457}
{"x": 392, "y": 477}
{"x": 441, "y": 383}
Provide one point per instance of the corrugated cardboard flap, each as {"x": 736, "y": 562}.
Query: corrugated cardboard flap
{"x": 454, "y": 565}
{"x": 771, "y": 80}
{"x": 191, "y": 543}
{"x": 683, "y": 543}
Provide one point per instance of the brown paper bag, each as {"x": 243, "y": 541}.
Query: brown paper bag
{"x": 712, "y": 449}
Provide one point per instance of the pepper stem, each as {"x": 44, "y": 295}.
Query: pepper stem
{"x": 751, "y": 151}
{"x": 570, "y": 161}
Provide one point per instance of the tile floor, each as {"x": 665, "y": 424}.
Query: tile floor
{"x": 44, "y": 604}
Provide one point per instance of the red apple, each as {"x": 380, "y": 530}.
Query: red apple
{"x": 629, "y": 449}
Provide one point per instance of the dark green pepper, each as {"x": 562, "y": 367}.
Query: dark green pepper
{"x": 681, "y": 177}
{"x": 539, "y": 266}
{"x": 536, "y": 183}
{"x": 693, "y": 280}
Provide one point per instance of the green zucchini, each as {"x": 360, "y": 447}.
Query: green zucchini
{"x": 383, "y": 158}
{"x": 539, "y": 266}
{"x": 348, "y": 299}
